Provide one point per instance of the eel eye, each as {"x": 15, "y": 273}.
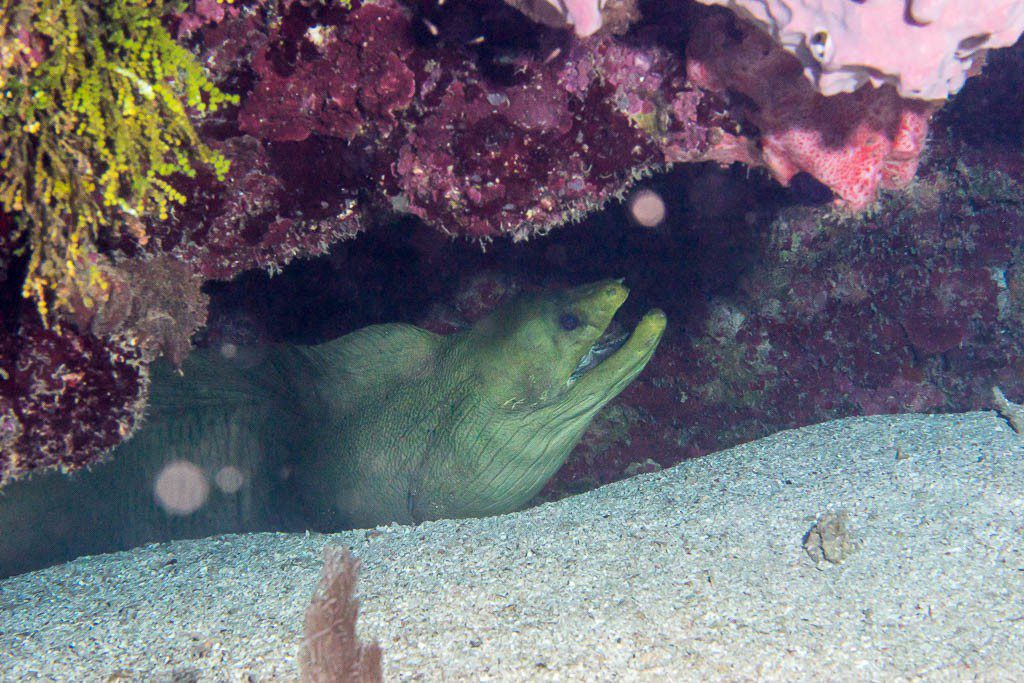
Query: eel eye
{"x": 569, "y": 322}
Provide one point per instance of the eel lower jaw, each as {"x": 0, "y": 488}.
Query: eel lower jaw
{"x": 622, "y": 356}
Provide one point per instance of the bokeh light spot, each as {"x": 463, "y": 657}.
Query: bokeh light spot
{"x": 647, "y": 208}
{"x": 181, "y": 488}
{"x": 229, "y": 479}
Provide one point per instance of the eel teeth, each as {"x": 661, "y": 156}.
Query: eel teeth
{"x": 607, "y": 344}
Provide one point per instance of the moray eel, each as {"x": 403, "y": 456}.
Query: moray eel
{"x": 390, "y": 423}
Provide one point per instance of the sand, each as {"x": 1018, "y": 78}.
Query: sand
{"x": 699, "y": 572}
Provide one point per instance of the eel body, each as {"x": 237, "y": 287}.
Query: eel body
{"x": 390, "y": 423}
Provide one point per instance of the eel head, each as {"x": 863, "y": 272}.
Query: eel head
{"x": 547, "y": 348}
{"x": 536, "y": 370}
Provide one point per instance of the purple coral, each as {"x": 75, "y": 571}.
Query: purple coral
{"x": 475, "y": 143}
{"x": 337, "y": 73}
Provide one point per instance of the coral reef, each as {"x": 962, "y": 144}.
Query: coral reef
{"x": 156, "y": 304}
{"x": 263, "y": 215}
{"x": 95, "y": 135}
{"x": 64, "y": 397}
{"x": 322, "y": 88}
{"x": 479, "y": 122}
{"x": 70, "y": 392}
{"x": 906, "y": 314}
{"x": 926, "y": 49}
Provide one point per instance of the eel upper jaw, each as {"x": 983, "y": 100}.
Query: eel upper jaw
{"x": 596, "y": 305}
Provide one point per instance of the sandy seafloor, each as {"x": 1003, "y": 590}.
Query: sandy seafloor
{"x": 694, "y": 573}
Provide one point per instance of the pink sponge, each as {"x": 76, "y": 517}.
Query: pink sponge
{"x": 881, "y": 150}
{"x": 925, "y": 48}
{"x": 855, "y": 143}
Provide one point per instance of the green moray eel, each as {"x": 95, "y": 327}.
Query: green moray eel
{"x": 390, "y": 423}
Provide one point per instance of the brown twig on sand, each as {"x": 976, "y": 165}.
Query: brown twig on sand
{"x": 1010, "y": 411}
{"x": 331, "y": 652}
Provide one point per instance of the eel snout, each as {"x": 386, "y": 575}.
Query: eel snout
{"x": 597, "y": 303}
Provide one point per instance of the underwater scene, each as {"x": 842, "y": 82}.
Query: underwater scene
{"x": 511, "y": 340}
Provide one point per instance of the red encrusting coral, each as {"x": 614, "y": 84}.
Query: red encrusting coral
{"x": 71, "y": 391}
{"x": 64, "y": 397}
{"x": 474, "y": 145}
{"x": 339, "y": 73}
{"x": 262, "y": 215}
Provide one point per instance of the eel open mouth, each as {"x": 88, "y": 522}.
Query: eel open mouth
{"x": 607, "y": 344}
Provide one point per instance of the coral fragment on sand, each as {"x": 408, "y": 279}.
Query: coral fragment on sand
{"x": 1010, "y": 411}
{"x": 331, "y": 651}
{"x": 829, "y": 539}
